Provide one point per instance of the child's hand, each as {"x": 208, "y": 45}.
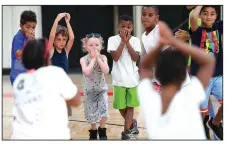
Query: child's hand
{"x": 97, "y": 53}
{"x": 67, "y": 17}
{"x": 93, "y": 53}
{"x": 166, "y": 35}
{"x": 182, "y": 34}
{"x": 128, "y": 36}
{"x": 30, "y": 34}
{"x": 123, "y": 36}
{"x": 60, "y": 16}
{"x": 190, "y": 6}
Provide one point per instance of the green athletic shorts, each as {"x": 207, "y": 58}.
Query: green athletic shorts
{"x": 125, "y": 97}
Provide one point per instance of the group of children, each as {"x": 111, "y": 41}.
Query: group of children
{"x": 165, "y": 92}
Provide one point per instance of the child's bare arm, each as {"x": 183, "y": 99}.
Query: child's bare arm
{"x": 75, "y": 101}
{"x": 116, "y": 54}
{"x": 103, "y": 63}
{"x": 87, "y": 69}
{"x": 183, "y": 35}
{"x": 205, "y": 61}
{"x": 71, "y": 34}
{"x": 194, "y": 17}
{"x": 53, "y": 31}
{"x": 18, "y": 54}
{"x": 134, "y": 55}
{"x": 148, "y": 62}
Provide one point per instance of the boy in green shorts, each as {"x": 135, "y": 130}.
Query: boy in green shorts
{"x": 125, "y": 50}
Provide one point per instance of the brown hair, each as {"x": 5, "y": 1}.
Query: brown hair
{"x": 62, "y": 30}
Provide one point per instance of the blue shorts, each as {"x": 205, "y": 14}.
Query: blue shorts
{"x": 214, "y": 88}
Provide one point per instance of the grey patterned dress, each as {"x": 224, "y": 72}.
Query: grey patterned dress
{"x": 95, "y": 94}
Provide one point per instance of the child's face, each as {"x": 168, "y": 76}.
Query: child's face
{"x": 125, "y": 26}
{"x": 93, "y": 43}
{"x": 60, "y": 41}
{"x": 149, "y": 17}
{"x": 208, "y": 16}
{"x": 28, "y": 27}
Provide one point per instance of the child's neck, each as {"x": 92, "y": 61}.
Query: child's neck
{"x": 149, "y": 29}
{"x": 206, "y": 26}
{"x": 58, "y": 49}
{"x": 167, "y": 94}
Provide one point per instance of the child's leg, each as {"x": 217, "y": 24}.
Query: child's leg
{"x": 204, "y": 105}
{"x": 103, "y": 110}
{"x": 215, "y": 123}
{"x": 217, "y": 92}
{"x": 93, "y": 132}
{"x": 128, "y": 118}
{"x": 103, "y": 122}
{"x": 204, "y": 108}
{"x": 219, "y": 116}
{"x": 93, "y": 126}
{"x": 132, "y": 101}
{"x": 119, "y": 98}
{"x": 123, "y": 112}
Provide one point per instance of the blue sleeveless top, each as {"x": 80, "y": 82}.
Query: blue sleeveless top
{"x": 60, "y": 59}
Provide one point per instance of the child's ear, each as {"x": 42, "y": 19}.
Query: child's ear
{"x": 216, "y": 16}
{"x": 157, "y": 19}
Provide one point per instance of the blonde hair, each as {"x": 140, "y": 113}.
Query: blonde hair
{"x": 85, "y": 39}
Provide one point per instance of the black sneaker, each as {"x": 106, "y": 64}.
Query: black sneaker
{"x": 134, "y": 130}
{"x": 218, "y": 130}
{"x": 102, "y": 133}
{"x": 127, "y": 136}
{"x": 207, "y": 131}
{"x": 93, "y": 134}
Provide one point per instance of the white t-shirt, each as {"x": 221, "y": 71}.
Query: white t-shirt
{"x": 182, "y": 119}
{"x": 124, "y": 71}
{"x": 39, "y": 108}
{"x": 150, "y": 41}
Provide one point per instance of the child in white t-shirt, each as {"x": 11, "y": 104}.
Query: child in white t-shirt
{"x": 151, "y": 36}
{"x": 41, "y": 96}
{"x": 125, "y": 50}
{"x": 175, "y": 112}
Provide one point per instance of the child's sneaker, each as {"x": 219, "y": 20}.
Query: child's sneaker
{"x": 134, "y": 130}
{"x": 93, "y": 134}
{"x": 127, "y": 135}
{"x": 218, "y": 130}
{"x": 102, "y": 133}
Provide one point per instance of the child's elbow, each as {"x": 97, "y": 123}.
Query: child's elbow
{"x": 136, "y": 58}
{"x": 115, "y": 59}
{"x": 212, "y": 61}
{"x": 87, "y": 73}
{"x": 194, "y": 17}
{"x": 52, "y": 36}
{"x": 71, "y": 38}
{"x": 107, "y": 71}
